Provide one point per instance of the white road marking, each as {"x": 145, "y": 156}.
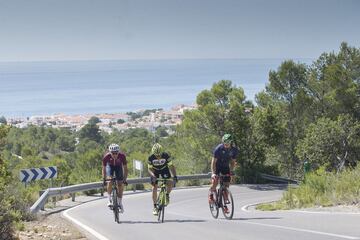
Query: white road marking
{"x": 87, "y": 228}
{"x": 303, "y": 230}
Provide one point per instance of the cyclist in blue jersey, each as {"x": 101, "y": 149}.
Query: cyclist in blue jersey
{"x": 223, "y": 162}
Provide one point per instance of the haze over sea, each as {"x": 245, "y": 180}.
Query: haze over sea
{"x": 113, "y": 86}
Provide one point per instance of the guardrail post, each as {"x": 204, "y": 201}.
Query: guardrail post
{"x": 73, "y": 196}
{"x": 40, "y": 193}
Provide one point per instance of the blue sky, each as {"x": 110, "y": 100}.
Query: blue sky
{"x": 40, "y": 30}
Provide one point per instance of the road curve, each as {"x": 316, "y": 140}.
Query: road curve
{"x": 188, "y": 217}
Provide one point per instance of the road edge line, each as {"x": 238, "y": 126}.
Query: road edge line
{"x": 83, "y": 226}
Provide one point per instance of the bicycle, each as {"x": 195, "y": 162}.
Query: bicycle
{"x": 161, "y": 199}
{"x": 222, "y": 199}
{"x": 114, "y": 197}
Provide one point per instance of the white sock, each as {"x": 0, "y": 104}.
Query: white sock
{"x": 109, "y": 198}
{"x": 120, "y": 200}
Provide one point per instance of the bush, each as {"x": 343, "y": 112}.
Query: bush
{"x": 321, "y": 188}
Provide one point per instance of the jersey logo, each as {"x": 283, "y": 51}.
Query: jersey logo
{"x": 159, "y": 162}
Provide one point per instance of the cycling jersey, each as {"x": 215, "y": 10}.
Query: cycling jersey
{"x": 159, "y": 164}
{"x": 224, "y": 155}
{"x": 120, "y": 160}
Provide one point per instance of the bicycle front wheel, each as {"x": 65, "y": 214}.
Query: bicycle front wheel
{"x": 214, "y": 208}
{"x": 227, "y": 204}
{"x": 161, "y": 206}
{"x": 115, "y": 206}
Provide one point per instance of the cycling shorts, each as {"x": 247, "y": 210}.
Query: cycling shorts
{"x": 164, "y": 173}
{"x": 118, "y": 170}
{"x": 224, "y": 171}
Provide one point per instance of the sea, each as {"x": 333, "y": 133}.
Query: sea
{"x": 118, "y": 86}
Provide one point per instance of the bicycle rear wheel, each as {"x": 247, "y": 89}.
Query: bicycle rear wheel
{"x": 214, "y": 208}
{"x": 227, "y": 204}
{"x": 115, "y": 206}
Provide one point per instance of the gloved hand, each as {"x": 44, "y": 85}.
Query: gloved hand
{"x": 125, "y": 182}
{"x": 175, "y": 179}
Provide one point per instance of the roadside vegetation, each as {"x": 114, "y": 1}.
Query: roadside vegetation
{"x": 321, "y": 188}
{"x": 305, "y": 114}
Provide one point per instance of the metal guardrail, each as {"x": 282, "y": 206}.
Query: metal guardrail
{"x": 52, "y": 192}
{"x": 277, "y": 179}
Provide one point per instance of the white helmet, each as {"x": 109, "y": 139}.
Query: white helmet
{"x": 114, "y": 147}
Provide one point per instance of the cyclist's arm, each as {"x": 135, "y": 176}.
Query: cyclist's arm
{"x": 173, "y": 170}
{"x": 125, "y": 171}
{"x": 151, "y": 170}
{"x": 103, "y": 163}
{"x": 103, "y": 171}
{"x": 213, "y": 165}
{"x": 232, "y": 164}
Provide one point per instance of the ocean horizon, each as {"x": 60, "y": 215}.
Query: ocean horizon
{"x": 114, "y": 86}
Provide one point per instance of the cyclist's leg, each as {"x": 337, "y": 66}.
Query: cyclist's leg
{"x": 226, "y": 171}
{"x": 120, "y": 185}
{"x": 154, "y": 193}
{"x": 212, "y": 189}
{"x": 119, "y": 180}
{"x": 165, "y": 173}
{"x": 109, "y": 173}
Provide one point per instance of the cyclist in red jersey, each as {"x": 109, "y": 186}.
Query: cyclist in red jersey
{"x": 115, "y": 162}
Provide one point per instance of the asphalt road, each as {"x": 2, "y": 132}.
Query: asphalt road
{"x": 188, "y": 217}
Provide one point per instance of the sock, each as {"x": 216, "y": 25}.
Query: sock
{"x": 119, "y": 200}
{"x": 155, "y": 205}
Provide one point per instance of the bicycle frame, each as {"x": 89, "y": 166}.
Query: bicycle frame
{"x": 221, "y": 202}
{"x": 161, "y": 199}
{"x": 114, "y": 197}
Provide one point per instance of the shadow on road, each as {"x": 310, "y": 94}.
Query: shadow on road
{"x": 156, "y": 222}
{"x": 256, "y": 218}
{"x": 268, "y": 187}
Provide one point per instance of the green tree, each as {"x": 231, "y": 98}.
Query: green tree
{"x": 333, "y": 143}
{"x": 91, "y": 132}
{"x": 286, "y": 96}
{"x": 94, "y": 120}
{"x": 3, "y": 120}
{"x": 8, "y": 216}
{"x": 120, "y": 121}
{"x": 161, "y": 131}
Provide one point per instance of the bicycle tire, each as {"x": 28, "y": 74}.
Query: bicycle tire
{"x": 229, "y": 204}
{"x": 115, "y": 206}
{"x": 213, "y": 206}
{"x": 161, "y": 206}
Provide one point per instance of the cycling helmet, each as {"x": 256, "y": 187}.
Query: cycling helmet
{"x": 227, "y": 139}
{"x": 114, "y": 147}
{"x": 157, "y": 149}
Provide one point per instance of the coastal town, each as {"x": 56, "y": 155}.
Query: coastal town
{"x": 148, "y": 119}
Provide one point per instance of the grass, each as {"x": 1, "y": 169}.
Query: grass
{"x": 321, "y": 188}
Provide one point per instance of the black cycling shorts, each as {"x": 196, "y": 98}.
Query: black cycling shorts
{"x": 164, "y": 173}
{"x": 118, "y": 170}
{"x": 224, "y": 171}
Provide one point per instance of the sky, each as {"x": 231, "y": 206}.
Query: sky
{"x": 57, "y": 30}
